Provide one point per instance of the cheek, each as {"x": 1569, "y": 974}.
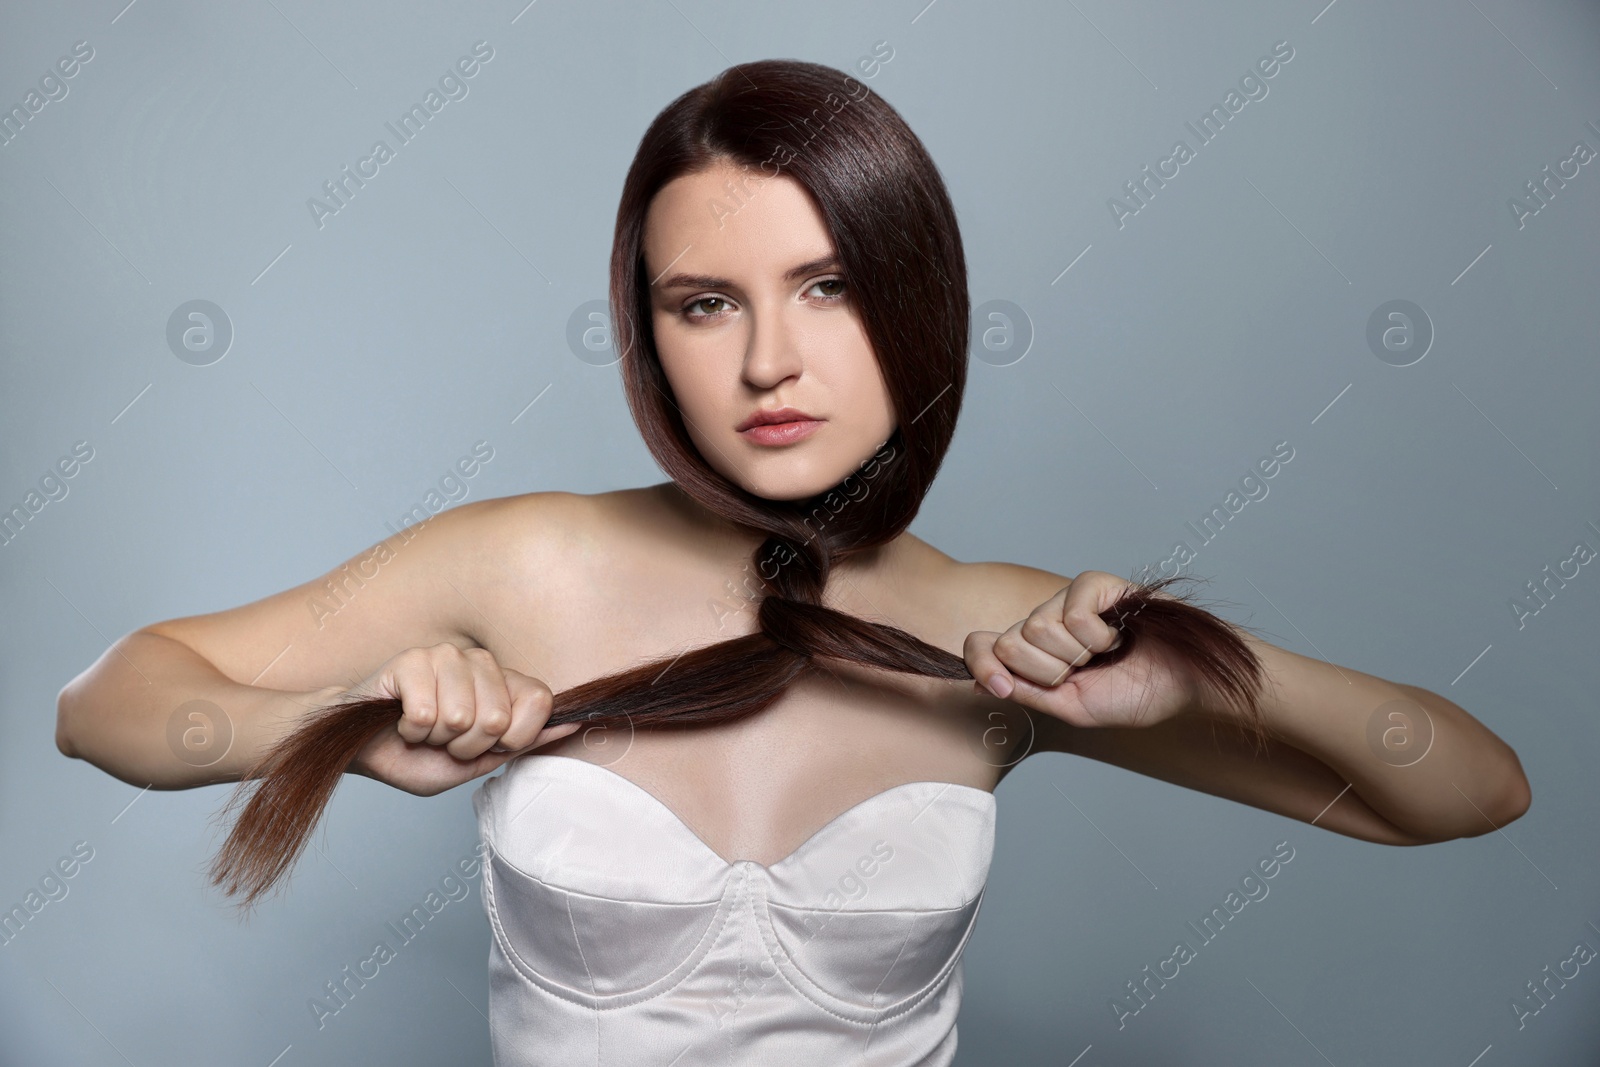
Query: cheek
{"x": 695, "y": 384}
{"x": 868, "y": 392}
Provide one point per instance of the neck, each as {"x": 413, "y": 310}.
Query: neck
{"x": 739, "y": 542}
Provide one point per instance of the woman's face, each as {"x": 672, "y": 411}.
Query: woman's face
{"x": 752, "y": 315}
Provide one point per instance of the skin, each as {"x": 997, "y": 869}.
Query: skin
{"x": 494, "y": 605}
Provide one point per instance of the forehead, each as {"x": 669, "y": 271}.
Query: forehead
{"x": 729, "y": 219}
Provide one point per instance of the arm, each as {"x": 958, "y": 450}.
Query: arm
{"x": 1213, "y": 756}
{"x": 265, "y": 664}
{"x": 119, "y": 715}
{"x": 1466, "y": 781}
{"x": 1321, "y": 764}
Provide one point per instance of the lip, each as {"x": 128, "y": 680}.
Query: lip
{"x": 774, "y": 416}
{"x": 779, "y": 426}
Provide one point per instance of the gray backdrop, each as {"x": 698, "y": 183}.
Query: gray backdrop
{"x": 1135, "y": 363}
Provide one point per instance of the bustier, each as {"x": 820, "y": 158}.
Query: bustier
{"x": 622, "y": 939}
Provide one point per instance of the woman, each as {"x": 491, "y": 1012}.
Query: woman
{"x": 793, "y": 878}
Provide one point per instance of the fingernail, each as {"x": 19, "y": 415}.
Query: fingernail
{"x": 1000, "y": 686}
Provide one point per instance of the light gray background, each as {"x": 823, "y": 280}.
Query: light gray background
{"x": 1228, "y": 315}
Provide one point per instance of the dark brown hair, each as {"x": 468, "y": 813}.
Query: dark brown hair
{"x": 899, "y": 248}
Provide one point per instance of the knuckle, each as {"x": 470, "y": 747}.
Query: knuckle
{"x": 1036, "y": 626}
{"x": 1078, "y": 617}
{"x": 412, "y": 660}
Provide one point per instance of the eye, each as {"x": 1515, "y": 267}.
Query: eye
{"x": 838, "y": 292}
{"x": 688, "y": 309}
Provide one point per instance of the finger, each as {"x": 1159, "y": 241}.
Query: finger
{"x": 491, "y": 713}
{"x": 987, "y": 670}
{"x": 1092, "y": 593}
{"x": 1061, "y": 702}
{"x": 553, "y": 733}
{"x": 413, "y": 682}
{"x": 492, "y": 759}
{"x": 456, "y": 695}
{"x": 1039, "y": 648}
{"x": 531, "y": 703}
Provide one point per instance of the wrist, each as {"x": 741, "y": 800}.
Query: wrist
{"x": 275, "y": 714}
{"x": 1205, "y": 701}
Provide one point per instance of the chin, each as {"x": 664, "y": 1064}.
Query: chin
{"x": 783, "y": 489}
{"x": 786, "y": 481}
{"x": 797, "y": 472}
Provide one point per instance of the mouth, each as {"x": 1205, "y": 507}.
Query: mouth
{"x": 779, "y": 426}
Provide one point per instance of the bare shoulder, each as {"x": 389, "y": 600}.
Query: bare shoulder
{"x": 978, "y": 596}
{"x": 549, "y": 536}
{"x": 1006, "y": 592}
{"x": 993, "y": 596}
{"x": 556, "y": 521}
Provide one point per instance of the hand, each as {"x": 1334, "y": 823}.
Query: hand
{"x": 1045, "y": 662}
{"x": 463, "y": 715}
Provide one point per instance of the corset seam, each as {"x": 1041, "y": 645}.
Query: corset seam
{"x": 808, "y": 988}
{"x": 684, "y": 969}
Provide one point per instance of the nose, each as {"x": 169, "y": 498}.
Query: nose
{"x": 771, "y": 354}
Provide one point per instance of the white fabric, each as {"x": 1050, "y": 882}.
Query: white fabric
{"x": 622, "y": 939}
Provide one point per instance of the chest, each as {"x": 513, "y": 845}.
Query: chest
{"x": 758, "y": 788}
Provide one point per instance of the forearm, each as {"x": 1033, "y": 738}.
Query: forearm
{"x": 1415, "y": 758}
{"x": 153, "y": 712}
{"x": 1213, "y": 756}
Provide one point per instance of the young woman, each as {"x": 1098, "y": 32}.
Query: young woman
{"x": 768, "y": 721}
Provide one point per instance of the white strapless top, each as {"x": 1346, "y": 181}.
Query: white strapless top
{"x": 622, "y": 939}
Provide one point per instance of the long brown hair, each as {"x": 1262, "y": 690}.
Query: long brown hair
{"x": 899, "y": 248}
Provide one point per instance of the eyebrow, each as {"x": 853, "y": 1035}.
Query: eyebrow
{"x": 708, "y": 281}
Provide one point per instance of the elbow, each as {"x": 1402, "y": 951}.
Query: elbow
{"x": 64, "y": 740}
{"x": 1519, "y": 795}
{"x": 1515, "y": 797}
